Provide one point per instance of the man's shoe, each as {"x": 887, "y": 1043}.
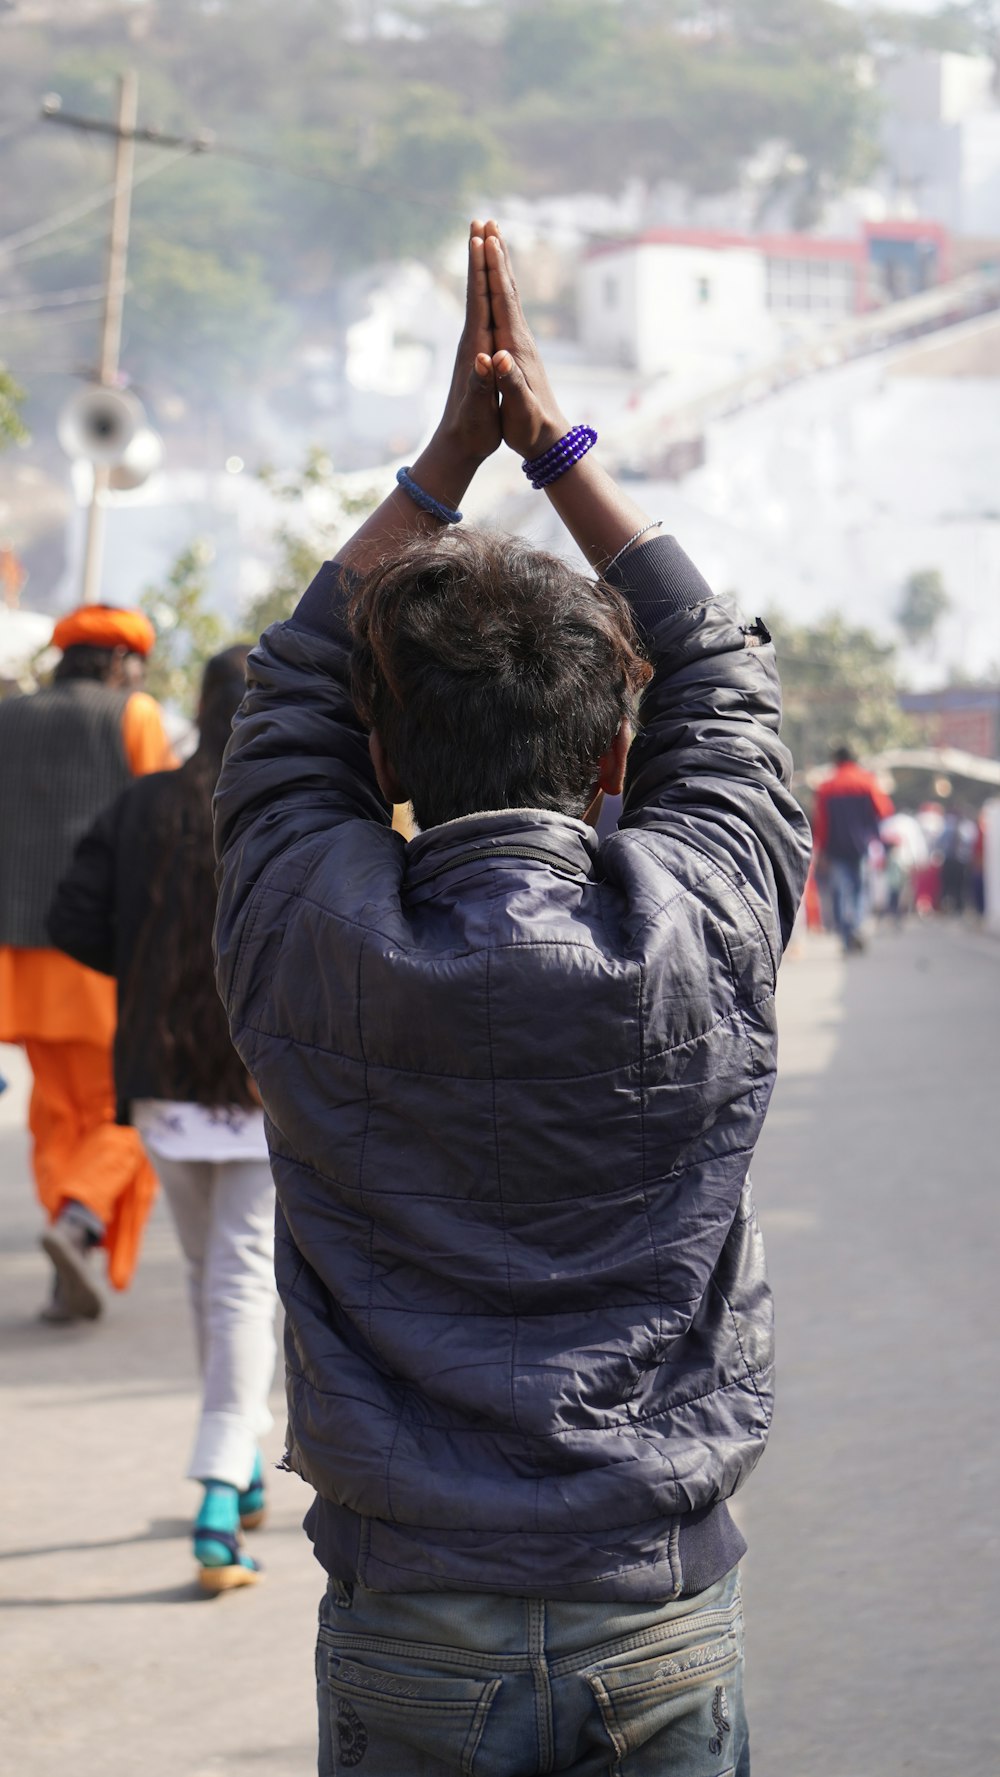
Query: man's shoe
{"x": 56, "y": 1311}
{"x": 70, "y": 1246}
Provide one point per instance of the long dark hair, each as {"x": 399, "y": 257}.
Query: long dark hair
{"x": 173, "y": 969}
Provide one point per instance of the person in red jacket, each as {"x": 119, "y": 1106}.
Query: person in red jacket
{"x": 849, "y": 807}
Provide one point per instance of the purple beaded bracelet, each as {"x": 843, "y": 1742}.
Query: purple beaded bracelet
{"x": 560, "y": 456}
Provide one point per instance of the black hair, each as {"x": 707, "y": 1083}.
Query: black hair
{"x": 843, "y": 756}
{"x": 495, "y": 675}
{"x": 83, "y": 661}
{"x": 173, "y": 966}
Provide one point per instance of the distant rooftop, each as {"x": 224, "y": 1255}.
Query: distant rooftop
{"x": 780, "y": 246}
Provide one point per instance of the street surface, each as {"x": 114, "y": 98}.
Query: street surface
{"x": 873, "y": 1522}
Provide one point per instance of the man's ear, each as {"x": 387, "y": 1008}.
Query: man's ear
{"x": 611, "y": 764}
{"x": 610, "y": 779}
{"x": 388, "y": 782}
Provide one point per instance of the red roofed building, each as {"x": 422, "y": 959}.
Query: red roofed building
{"x": 706, "y": 301}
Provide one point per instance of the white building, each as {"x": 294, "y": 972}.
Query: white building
{"x": 942, "y": 139}
{"x": 706, "y": 305}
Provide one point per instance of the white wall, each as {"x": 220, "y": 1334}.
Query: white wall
{"x": 699, "y": 312}
{"x": 942, "y": 139}
{"x": 980, "y": 177}
{"x": 927, "y": 88}
{"x": 607, "y": 303}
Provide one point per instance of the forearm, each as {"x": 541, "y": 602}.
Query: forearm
{"x": 600, "y": 518}
{"x": 444, "y": 469}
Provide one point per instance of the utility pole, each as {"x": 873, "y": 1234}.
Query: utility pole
{"x": 125, "y": 134}
{"x": 111, "y": 327}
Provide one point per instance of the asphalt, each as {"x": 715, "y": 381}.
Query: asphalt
{"x": 873, "y": 1526}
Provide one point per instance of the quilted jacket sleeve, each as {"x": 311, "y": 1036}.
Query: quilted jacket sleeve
{"x": 707, "y": 768}
{"x": 297, "y": 763}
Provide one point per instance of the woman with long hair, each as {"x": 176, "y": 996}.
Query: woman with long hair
{"x": 139, "y": 903}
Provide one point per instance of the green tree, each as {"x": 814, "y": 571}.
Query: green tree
{"x": 839, "y": 688}
{"x": 923, "y": 604}
{"x": 195, "y": 318}
{"x": 319, "y": 508}
{"x": 12, "y": 427}
{"x": 188, "y": 631}
{"x": 687, "y": 92}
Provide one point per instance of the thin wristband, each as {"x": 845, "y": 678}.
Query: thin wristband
{"x": 653, "y": 525}
{"x": 426, "y": 501}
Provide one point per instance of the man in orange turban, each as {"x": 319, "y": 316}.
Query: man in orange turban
{"x": 65, "y": 753}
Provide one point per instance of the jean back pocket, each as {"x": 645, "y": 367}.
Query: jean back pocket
{"x": 380, "y": 1712}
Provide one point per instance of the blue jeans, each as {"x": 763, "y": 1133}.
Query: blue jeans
{"x": 847, "y": 891}
{"x": 448, "y": 1684}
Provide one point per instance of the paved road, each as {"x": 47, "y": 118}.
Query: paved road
{"x": 873, "y": 1522}
{"x": 874, "y": 1534}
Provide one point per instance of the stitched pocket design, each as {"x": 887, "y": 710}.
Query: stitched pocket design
{"x": 380, "y": 1711}
{"x": 680, "y": 1690}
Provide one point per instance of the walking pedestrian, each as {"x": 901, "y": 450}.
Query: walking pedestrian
{"x": 65, "y": 753}
{"x": 513, "y": 1077}
{"x": 846, "y": 820}
{"x": 138, "y": 903}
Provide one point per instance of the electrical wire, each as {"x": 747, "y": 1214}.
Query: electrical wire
{"x": 267, "y": 163}
{"x": 40, "y": 230}
{"x": 44, "y": 249}
{"x": 54, "y": 299}
{"x": 21, "y": 126}
{"x": 248, "y": 157}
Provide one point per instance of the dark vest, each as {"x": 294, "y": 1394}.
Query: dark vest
{"x": 62, "y": 760}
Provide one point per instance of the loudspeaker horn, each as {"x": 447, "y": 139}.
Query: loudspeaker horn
{"x": 141, "y": 460}
{"x": 99, "y": 424}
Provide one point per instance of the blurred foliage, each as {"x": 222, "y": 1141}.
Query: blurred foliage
{"x": 839, "y": 688}
{"x": 320, "y": 509}
{"x": 188, "y": 631}
{"x": 968, "y": 27}
{"x": 923, "y": 603}
{"x": 12, "y": 427}
{"x": 345, "y": 133}
{"x": 205, "y": 315}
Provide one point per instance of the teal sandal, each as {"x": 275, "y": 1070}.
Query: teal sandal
{"x": 252, "y": 1502}
{"x": 222, "y": 1564}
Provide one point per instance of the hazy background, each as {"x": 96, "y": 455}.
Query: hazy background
{"x": 294, "y": 291}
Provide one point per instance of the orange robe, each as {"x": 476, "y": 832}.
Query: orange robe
{"x": 64, "y": 1017}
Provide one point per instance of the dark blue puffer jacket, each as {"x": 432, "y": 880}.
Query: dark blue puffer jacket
{"x": 513, "y": 1081}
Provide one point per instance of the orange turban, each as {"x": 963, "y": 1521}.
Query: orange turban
{"x": 105, "y": 626}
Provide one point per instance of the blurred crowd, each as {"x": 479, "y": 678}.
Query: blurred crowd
{"x": 874, "y": 861}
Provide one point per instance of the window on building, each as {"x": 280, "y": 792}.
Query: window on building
{"x": 823, "y": 285}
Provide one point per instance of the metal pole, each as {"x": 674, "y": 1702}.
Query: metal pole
{"x": 111, "y": 329}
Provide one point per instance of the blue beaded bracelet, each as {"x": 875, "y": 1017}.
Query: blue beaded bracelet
{"x": 560, "y": 456}
{"x": 426, "y": 501}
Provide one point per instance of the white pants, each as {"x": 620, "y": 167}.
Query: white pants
{"x": 224, "y": 1215}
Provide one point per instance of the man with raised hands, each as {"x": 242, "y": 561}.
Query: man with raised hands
{"x": 513, "y": 1079}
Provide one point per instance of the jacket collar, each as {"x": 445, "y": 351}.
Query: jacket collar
{"x": 570, "y": 845}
